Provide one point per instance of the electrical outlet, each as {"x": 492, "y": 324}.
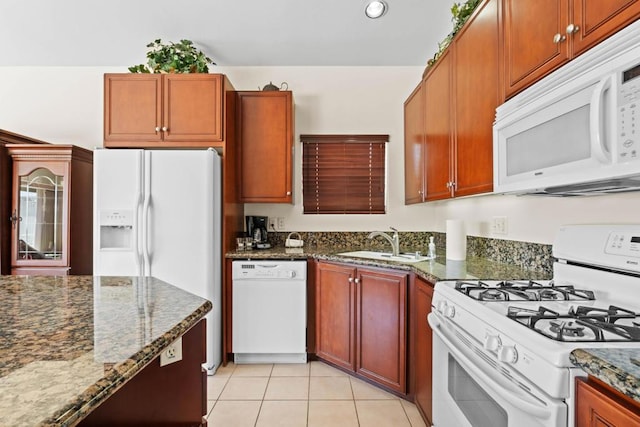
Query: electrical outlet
{"x": 272, "y": 224}
{"x": 280, "y": 223}
{"x": 172, "y": 354}
{"x": 499, "y": 225}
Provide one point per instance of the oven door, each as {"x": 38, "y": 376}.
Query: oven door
{"x": 470, "y": 391}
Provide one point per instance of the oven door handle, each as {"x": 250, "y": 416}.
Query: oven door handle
{"x": 504, "y": 389}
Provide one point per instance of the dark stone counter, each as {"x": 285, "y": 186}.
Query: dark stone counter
{"x": 619, "y": 368}
{"x": 68, "y": 343}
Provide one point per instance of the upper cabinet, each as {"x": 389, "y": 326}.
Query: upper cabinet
{"x": 164, "y": 110}
{"x": 414, "y": 131}
{"x": 449, "y": 118}
{"x": 265, "y": 124}
{"x": 439, "y": 148}
{"x": 477, "y": 91}
{"x": 541, "y": 35}
{"x": 51, "y": 213}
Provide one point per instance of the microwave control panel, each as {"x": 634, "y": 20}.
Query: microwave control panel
{"x": 628, "y": 114}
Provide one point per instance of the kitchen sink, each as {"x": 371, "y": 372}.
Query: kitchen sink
{"x": 404, "y": 257}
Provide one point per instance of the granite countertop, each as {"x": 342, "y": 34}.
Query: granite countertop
{"x": 432, "y": 270}
{"x": 619, "y": 368}
{"x": 68, "y": 343}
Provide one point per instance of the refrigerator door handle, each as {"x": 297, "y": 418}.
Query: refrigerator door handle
{"x": 145, "y": 214}
{"x": 136, "y": 217}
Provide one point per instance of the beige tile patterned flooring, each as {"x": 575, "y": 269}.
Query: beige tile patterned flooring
{"x": 313, "y": 394}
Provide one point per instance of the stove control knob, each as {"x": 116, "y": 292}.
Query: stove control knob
{"x": 449, "y": 311}
{"x": 441, "y": 306}
{"x": 508, "y": 354}
{"x": 492, "y": 342}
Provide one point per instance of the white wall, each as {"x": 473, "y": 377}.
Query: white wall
{"x": 64, "y": 105}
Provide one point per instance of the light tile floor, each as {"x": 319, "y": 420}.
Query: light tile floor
{"x": 313, "y": 394}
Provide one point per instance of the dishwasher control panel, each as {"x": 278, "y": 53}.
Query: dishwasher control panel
{"x": 287, "y": 270}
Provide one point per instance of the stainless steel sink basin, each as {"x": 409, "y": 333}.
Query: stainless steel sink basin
{"x": 406, "y": 258}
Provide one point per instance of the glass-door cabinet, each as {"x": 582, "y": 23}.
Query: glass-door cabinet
{"x": 51, "y": 215}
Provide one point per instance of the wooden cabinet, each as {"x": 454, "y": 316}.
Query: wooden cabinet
{"x": 439, "y": 154}
{"x": 51, "y": 210}
{"x": 335, "y": 314}
{"x": 170, "y": 395}
{"x": 461, "y": 93}
{"x": 361, "y": 321}
{"x": 265, "y": 135}
{"x": 541, "y": 35}
{"x": 414, "y": 139}
{"x": 164, "y": 110}
{"x": 421, "y": 296}
{"x": 477, "y": 93}
{"x": 597, "y": 405}
{"x": 6, "y": 191}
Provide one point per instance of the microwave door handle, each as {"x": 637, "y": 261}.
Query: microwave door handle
{"x": 596, "y": 120}
{"x": 499, "y": 387}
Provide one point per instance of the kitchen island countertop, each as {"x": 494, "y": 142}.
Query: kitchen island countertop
{"x": 619, "y": 368}
{"x": 432, "y": 270}
{"x": 68, "y": 343}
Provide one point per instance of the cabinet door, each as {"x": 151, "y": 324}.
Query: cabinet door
{"x": 597, "y": 19}
{"x": 132, "y": 108}
{"x": 335, "y": 308}
{"x": 438, "y": 147}
{"x": 477, "y": 88}
{"x": 530, "y": 50}
{"x": 382, "y": 327}
{"x": 192, "y": 108}
{"x": 40, "y": 211}
{"x": 422, "y": 350}
{"x": 265, "y": 132}
{"x": 598, "y": 407}
{"x": 414, "y": 137}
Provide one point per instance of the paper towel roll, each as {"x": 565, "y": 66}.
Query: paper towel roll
{"x": 456, "y": 240}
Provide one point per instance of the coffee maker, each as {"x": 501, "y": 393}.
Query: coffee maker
{"x": 257, "y": 230}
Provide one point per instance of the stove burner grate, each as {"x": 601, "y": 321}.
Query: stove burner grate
{"x": 526, "y": 290}
{"x": 579, "y": 324}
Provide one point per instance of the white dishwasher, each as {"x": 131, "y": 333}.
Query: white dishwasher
{"x": 269, "y": 320}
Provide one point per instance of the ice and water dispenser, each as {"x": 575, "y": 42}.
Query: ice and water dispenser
{"x": 116, "y": 229}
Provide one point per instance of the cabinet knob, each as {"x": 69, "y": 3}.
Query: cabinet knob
{"x": 350, "y": 279}
{"x": 559, "y": 38}
{"x": 288, "y": 193}
{"x": 14, "y": 218}
{"x": 572, "y": 29}
{"x": 357, "y": 280}
{"x": 157, "y": 128}
{"x": 164, "y": 129}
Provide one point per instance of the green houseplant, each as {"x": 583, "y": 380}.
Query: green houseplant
{"x": 171, "y": 57}
{"x": 460, "y": 13}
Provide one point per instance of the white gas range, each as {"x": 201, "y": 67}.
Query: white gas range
{"x": 501, "y": 348}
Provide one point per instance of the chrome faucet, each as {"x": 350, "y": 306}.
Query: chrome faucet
{"x": 395, "y": 240}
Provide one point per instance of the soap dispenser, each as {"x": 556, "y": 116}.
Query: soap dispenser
{"x": 432, "y": 248}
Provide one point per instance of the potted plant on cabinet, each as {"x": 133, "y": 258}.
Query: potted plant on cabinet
{"x": 171, "y": 57}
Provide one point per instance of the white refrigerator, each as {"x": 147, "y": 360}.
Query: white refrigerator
{"x": 157, "y": 213}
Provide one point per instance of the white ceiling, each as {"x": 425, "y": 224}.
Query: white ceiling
{"x": 231, "y": 32}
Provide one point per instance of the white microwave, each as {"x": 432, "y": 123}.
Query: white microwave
{"x": 577, "y": 131}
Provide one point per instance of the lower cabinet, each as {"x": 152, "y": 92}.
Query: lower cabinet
{"x": 361, "y": 322}
{"x": 597, "y": 405}
{"x": 171, "y": 395}
{"x": 421, "y": 296}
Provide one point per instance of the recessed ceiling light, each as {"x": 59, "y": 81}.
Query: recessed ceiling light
{"x": 375, "y": 9}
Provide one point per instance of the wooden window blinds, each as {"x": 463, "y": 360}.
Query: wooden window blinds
{"x": 343, "y": 174}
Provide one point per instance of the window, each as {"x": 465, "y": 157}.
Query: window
{"x": 343, "y": 174}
